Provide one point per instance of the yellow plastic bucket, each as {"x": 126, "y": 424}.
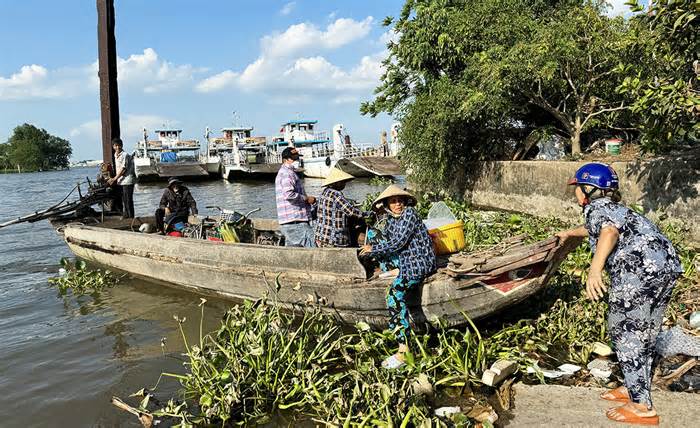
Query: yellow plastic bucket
{"x": 449, "y": 238}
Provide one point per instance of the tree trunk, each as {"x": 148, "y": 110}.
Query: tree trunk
{"x": 576, "y": 137}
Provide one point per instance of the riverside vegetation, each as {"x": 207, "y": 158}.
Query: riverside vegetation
{"x": 262, "y": 362}
{"x": 80, "y": 280}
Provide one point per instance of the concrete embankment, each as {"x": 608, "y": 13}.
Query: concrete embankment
{"x": 663, "y": 187}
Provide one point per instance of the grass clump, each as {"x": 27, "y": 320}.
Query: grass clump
{"x": 80, "y": 280}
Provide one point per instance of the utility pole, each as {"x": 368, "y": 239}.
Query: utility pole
{"x": 109, "y": 94}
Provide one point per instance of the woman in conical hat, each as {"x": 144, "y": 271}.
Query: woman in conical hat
{"x": 335, "y": 212}
{"x": 405, "y": 236}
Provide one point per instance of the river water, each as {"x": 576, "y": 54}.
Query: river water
{"x": 63, "y": 358}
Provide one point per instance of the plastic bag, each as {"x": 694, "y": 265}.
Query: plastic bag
{"x": 439, "y": 215}
{"x": 675, "y": 341}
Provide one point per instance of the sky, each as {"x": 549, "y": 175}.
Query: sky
{"x": 191, "y": 64}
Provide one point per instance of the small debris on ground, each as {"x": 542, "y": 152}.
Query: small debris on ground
{"x": 602, "y": 349}
{"x": 600, "y": 368}
{"x": 446, "y": 412}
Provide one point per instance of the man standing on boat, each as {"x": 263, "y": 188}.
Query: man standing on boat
{"x": 125, "y": 177}
{"x": 293, "y": 205}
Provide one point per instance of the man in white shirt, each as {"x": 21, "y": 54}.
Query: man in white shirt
{"x": 125, "y": 177}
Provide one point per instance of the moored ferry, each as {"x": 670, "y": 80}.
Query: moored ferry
{"x": 168, "y": 156}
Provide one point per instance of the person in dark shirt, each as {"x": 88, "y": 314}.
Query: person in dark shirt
{"x": 176, "y": 205}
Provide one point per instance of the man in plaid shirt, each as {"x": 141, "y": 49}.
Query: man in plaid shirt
{"x": 334, "y": 211}
{"x": 293, "y": 205}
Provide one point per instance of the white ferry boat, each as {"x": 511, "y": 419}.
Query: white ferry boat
{"x": 168, "y": 156}
{"x": 321, "y": 152}
{"x": 246, "y": 156}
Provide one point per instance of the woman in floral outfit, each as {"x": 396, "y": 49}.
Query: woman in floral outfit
{"x": 643, "y": 268}
{"x": 405, "y": 236}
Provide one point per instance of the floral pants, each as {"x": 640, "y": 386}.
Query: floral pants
{"x": 399, "y": 319}
{"x": 636, "y": 311}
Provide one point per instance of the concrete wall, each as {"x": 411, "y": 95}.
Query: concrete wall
{"x": 665, "y": 188}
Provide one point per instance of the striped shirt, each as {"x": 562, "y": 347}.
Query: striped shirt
{"x": 332, "y": 222}
{"x": 291, "y": 197}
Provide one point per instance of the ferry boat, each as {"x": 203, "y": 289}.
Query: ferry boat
{"x": 247, "y": 156}
{"x": 321, "y": 153}
{"x": 168, "y": 156}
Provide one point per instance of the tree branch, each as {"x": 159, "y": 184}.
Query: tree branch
{"x": 605, "y": 110}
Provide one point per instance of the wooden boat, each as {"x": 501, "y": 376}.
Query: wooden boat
{"x": 334, "y": 278}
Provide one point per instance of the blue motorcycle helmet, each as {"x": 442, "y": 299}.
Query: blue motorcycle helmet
{"x": 599, "y": 175}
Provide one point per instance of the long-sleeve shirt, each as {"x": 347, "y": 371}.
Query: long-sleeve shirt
{"x": 290, "y": 197}
{"x": 181, "y": 202}
{"x": 332, "y": 221}
{"x": 408, "y": 237}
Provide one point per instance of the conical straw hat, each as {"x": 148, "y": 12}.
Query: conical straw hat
{"x": 336, "y": 176}
{"x": 393, "y": 190}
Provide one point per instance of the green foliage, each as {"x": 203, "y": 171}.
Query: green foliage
{"x": 465, "y": 91}
{"x": 34, "y": 149}
{"x": 80, "y": 280}
{"x": 262, "y": 360}
{"x": 380, "y": 181}
{"x": 663, "y": 84}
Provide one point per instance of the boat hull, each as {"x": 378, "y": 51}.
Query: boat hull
{"x": 254, "y": 171}
{"x": 370, "y": 166}
{"x": 152, "y": 171}
{"x": 331, "y": 277}
{"x": 318, "y": 167}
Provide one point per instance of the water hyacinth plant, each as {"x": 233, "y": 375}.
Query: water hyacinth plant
{"x": 263, "y": 360}
{"x": 80, "y": 280}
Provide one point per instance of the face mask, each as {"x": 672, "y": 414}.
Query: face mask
{"x": 296, "y": 164}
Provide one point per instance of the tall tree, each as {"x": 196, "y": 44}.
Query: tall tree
{"x": 34, "y": 149}
{"x": 494, "y": 71}
{"x": 663, "y": 85}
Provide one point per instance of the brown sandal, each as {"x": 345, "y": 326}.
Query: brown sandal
{"x": 629, "y": 417}
{"x": 617, "y": 395}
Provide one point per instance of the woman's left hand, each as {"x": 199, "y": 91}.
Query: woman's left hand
{"x": 365, "y": 249}
{"x": 595, "y": 286}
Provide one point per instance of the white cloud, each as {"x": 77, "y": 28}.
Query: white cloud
{"x": 131, "y": 128}
{"x": 145, "y": 72}
{"x": 217, "y": 82}
{"x": 288, "y": 8}
{"x": 35, "y": 81}
{"x": 150, "y": 73}
{"x": 291, "y": 61}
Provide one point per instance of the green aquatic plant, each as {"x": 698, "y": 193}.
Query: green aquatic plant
{"x": 262, "y": 360}
{"x": 380, "y": 181}
{"x": 80, "y": 280}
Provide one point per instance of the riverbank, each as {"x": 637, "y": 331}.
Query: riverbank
{"x": 562, "y": 406}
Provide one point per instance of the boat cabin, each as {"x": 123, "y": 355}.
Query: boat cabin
{"x": 300, "y": 133}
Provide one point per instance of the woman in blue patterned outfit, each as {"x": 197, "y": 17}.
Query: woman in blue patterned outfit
{"x": 643, "y": 268}
{"x": 405, "y": 235}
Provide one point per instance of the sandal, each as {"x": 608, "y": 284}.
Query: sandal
{"x": 393, "y": 363}
{"x": 618, "y": 394}
{"x": 627, "y": 416}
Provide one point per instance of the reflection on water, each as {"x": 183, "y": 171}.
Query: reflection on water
{"x": 62, "y": 358}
